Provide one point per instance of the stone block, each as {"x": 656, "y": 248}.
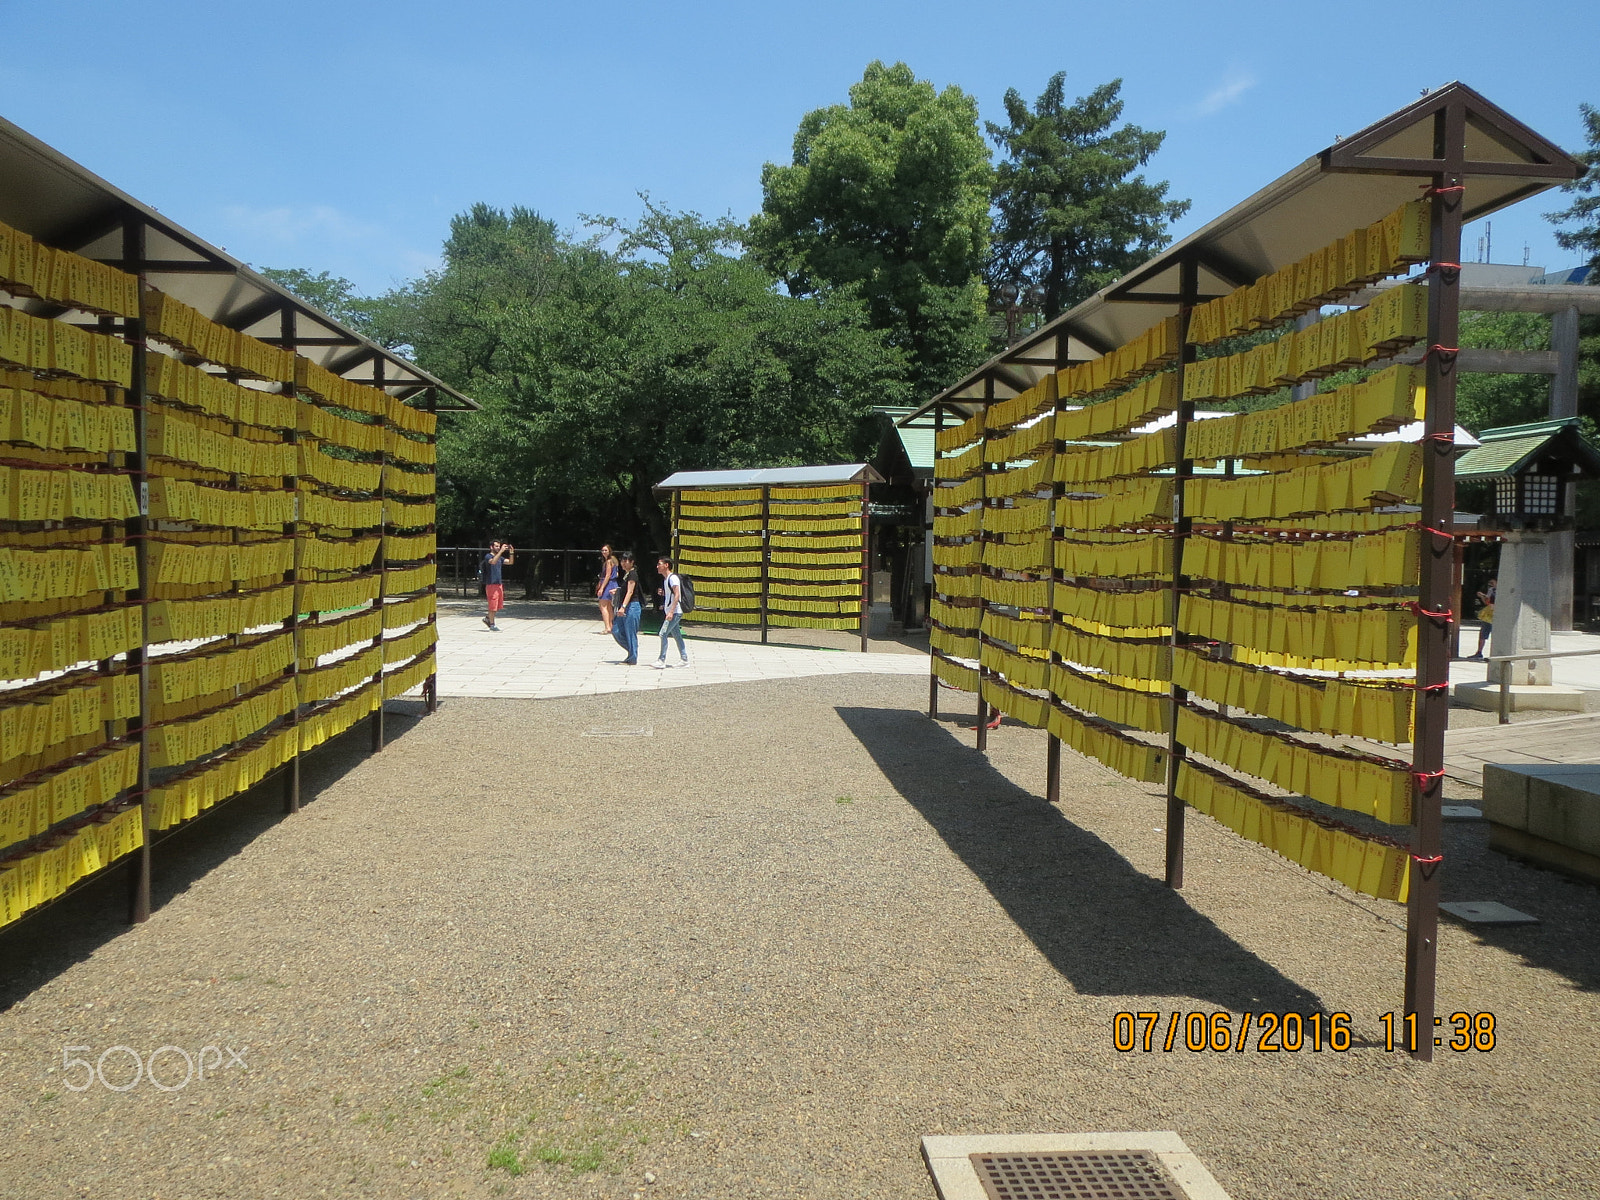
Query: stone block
{"x": 1505, "y": 796}
{"x": 1557, "y": 698}
{"x": 1564, "y": 806}
{"x": 1548, "y": 813}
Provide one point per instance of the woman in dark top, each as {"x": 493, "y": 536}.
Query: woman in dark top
{"x": 625, "y": 628}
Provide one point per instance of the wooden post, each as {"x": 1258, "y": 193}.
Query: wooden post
{"x": 382, "y": 561}
{"x": 1433, "y": 632}
{"x": 138, "y": 529}
{"x": 431, "y": 687}
{"x": 866, "y": 561}
{"x": 766, "y": 555}
{"x": 1052, "y": 752}
{"x": 1189, "y": 294}
{"x": 291, "y": 769}
{"x": 933, "y": 490}
{"x": 983, "y": 505}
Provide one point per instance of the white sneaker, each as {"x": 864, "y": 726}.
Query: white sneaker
{"x": 660, "y": 664}
{"x": 685, "y": 662}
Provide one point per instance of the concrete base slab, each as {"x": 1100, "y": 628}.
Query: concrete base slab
{"x": 1487, "y": 912}
{"x": 954, "y": 1178}
{"x": 1460, "y": 812}
{"x": 1525, "y": 698}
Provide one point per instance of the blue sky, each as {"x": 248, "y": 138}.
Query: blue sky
{"x": 343, "y": 135}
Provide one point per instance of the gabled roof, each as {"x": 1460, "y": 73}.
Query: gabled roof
{"x": 61, "y": 203}
{"x": 916, "y": 438}
{"x": 1355, "y": 181}
{"x": 1512, "y": 448}
{"x": 773, "y": 476}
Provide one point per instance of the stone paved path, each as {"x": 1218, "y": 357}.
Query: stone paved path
{"x": 538, "y": 656}
{"x": 1574, "y": 739}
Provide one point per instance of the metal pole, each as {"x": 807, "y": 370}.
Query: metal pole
{"x": 133, "y": 260}
{"x": 1188, "y": 296}
{"x": 866, "y": 561}
{"x": 766, "y": 555}
{"x": 383, "y": 559}
{"x": 1433, "y": 633}
{"x": 291, "y": 770}
{"x": 1458, "y": 600}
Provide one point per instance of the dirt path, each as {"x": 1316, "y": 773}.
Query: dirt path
{"x": 758, "y": 953}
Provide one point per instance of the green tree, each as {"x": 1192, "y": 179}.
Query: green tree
{"x": 606, "y": 365}
{"x": 1584, "y": 212}
{"x": 889, "y": 194}
{"x": 1485, "y": 401}
{"x": 331, "y": 294}
{"x": 1070, "y": 215}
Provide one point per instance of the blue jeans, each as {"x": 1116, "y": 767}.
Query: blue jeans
{"x": 626, "y": 630}
{"x": 672, "y": 629}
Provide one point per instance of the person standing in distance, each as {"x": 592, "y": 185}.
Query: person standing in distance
{"x": 671, "y": 611}
{"x": 607, "y": 591}
{"x": 1486, "y": 616}
{"x": 625, "y": 628}
{"x": 501, "y": 555}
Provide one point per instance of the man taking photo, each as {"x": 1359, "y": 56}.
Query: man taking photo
{"x": 501, "y": 555}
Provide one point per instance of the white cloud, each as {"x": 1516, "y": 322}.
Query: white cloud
{"x": 1235, "y": 85}
{"x": 289, "y": 226}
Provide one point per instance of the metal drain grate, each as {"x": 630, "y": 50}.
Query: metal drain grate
{"x": 1075, "y": 1175}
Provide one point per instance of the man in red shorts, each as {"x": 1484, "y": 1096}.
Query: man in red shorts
{"x": 500, "y": 555}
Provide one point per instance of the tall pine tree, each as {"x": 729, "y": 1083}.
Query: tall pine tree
{"x": 1070, "y": 214}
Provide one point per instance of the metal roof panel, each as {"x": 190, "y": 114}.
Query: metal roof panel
{"x": 774, "y": 476}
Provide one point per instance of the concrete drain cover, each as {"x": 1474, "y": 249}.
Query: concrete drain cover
{"x": 1080, "y": 1175}
{"x": 1487, "y": 912}
{"x": 1068, "y": 1166}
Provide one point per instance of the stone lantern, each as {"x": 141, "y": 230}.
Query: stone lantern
{"x": 1534, "y": 469}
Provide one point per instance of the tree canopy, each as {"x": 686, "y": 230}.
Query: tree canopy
{"x": 889, "y": 194}
{"x": 605, "y": 364}
{"x": 1584, "y": 212}
{"x": 334, "y": 296}
{"x": 1070, "y": 215}
{"x": 606, "y": 359}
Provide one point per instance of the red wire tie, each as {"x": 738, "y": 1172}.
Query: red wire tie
{"x": 1442, "y": 266}
{"x": 1424, "y": 778}
{"x": 1446, "y": 352}
{"x": 1446, "y": 615}
{"x": 1429, "y": 189}
{"x": 1439, "y": 532}
{"x": 1427, "y": 865}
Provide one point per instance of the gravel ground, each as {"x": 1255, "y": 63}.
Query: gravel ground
{"x": 757, "y": 953}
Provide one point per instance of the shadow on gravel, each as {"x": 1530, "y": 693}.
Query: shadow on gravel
{"x": 1563, "y": 942}
{"x": 1109, "y": 929}
{"x": 51, "y": 939}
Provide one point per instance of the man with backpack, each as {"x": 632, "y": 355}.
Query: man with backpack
{"x": 677, "y": 598}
